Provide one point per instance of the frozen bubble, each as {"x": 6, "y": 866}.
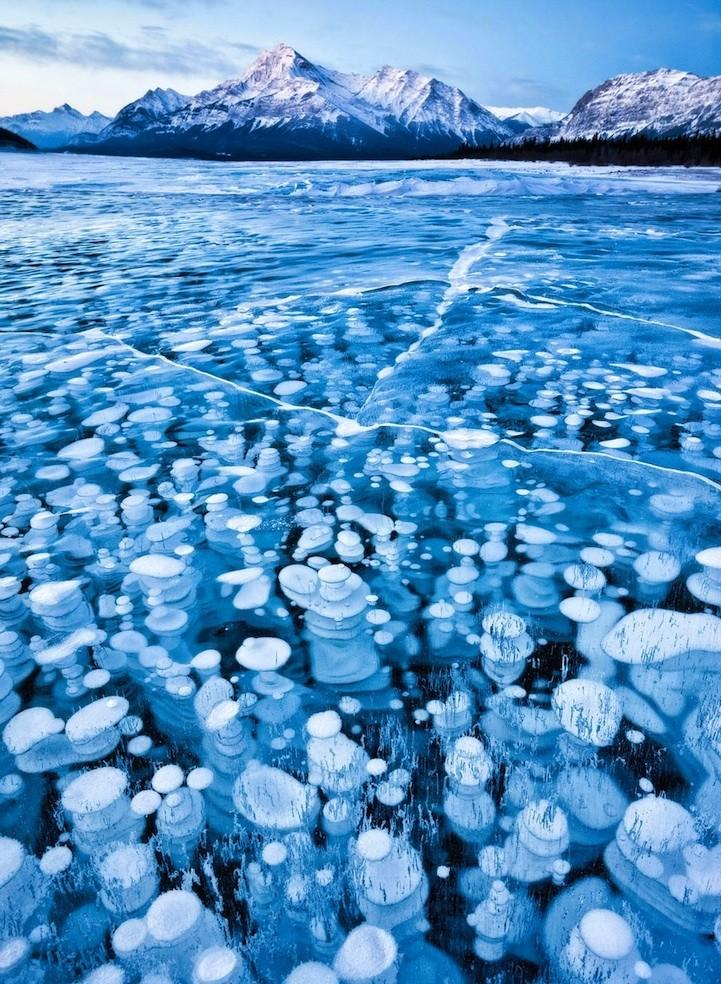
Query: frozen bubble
{"x": 579, "y": 609}
{"x": 657, "y": 567}
{"x": 107, "y": 974}
{"x": 263, "y": 653}
{"x": 157, "y": 566}
{"x": 243, "y": 576}
{"x": 95, "y": 790}
{"x": 606, "y": 934}
{"x": 367, "y": 953}
{"x": 710, "y": 557}
{"x": 659, "y": 825}
{"x": 467, "y": 762}
{"x": 653, "y": 635}
{"x": 30, "y": 727}
{"x": 96, "y": 679}
{"x": 199, "y": 778}
{"x": 597, "y": 556}
{"x": 589, "y": 710}
{"x": 374, "y": 845}
{"x": 93, "y": 719}
{"x": 275, "y": 853}
{"x": 12, "y": 855}
{"x": 61, "y": 653}
{"x": 172, "y": 915}
{"x": 469, "y": 439}
{"x": 323, "y": 725}
{"x": 83, "y": 450}
{"x": 140, "y": 745}
{"x": 129, "y": 937}
{"x": 349, "y": 705}
{"x": 56, "y": 860}
{"x": 584, "y": 577}
{"x": 311, "y": 972}
{"x": 272, "y": 799}
{"x": 167, "y": 778}
{"x": 14, "y": 953}
{"x": 145, "y": 802}
{"x": 216, "y": 965}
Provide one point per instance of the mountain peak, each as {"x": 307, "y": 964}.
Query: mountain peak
{"x": 282, "y": 50}
{"x": 274, "y": 63}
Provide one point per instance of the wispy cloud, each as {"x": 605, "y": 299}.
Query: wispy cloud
{"x": 156, "y": 51}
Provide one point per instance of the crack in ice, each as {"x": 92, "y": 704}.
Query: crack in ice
{"x": 350, "y": 427}
{"x": 458, "y": 284}
{"x": 700, "y": 336}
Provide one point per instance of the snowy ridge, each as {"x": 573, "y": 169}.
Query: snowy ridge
{"x": 663, "y": 103}
{"x": 143, "y": 112}
{"x": 287, "y": 107}
{"x": 48, "y": 130}
{"x": 526, "y": 115}
{"x": 417, "y": 100}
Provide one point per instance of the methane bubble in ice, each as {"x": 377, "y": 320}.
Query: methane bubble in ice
{"x": 360, "y": 605}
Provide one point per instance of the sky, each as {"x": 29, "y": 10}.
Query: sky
{"x": 101, "y": 54}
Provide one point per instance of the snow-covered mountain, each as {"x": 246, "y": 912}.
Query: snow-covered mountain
{"x": 525, "y": 116}
{"x": 286, "y": 107}
{"x": 663, "y": 103}
{"x": 430, "y": 109}
{"x": 56, "y": 128}
{"x": 137, "y": 116}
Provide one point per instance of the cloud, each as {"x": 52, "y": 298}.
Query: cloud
{"x": 98, "y": 50}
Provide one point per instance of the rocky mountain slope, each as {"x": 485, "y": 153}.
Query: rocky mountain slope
{"x": 663, "y": 103}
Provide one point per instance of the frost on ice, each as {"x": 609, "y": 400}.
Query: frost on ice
{"x": 320, "y": 666}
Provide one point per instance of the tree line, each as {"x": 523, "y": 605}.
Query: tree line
{"x": 689, "y": 151}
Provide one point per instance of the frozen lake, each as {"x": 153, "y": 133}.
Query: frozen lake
{"x": 360, "y": 572}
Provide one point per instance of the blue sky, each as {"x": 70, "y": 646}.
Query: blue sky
{"x": 100, "y": 54}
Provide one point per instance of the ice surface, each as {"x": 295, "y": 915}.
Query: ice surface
{"x": 360, "y": 601}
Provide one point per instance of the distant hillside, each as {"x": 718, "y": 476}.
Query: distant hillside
{"x": 56, "y": 128}
{"x": 693, "y": 151}
{"x": 12, "y": 141}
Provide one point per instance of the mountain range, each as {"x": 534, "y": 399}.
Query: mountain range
{"x": 663, "y": 103}
{"x": 57, "y": 128}
{"x": 523, "y": 117}
{"x": 285, "y": 107}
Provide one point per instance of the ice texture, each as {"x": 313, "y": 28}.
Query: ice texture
{"x": 360, "y": 573}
